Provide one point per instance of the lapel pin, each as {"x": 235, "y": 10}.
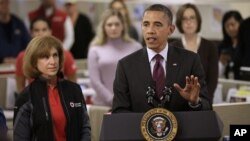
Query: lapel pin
{"x": 174, "y": 64}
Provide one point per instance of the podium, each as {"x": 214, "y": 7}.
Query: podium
{"x": 192, "y": 126}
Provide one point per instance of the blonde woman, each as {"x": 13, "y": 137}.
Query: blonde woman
{"x": 111, "y": 43}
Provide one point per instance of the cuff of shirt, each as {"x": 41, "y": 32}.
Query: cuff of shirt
{"x": 196, "y": 105}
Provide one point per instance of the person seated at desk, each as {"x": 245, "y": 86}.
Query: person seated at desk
{"x": 160, "y": 65}
{"x": 40, "y": 27}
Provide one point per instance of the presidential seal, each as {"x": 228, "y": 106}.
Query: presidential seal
{"x": 159, "y": 124}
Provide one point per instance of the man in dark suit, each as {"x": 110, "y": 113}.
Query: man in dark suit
{"x": 181, "y": 71}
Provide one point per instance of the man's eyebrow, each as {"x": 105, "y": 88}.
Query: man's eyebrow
{"x": 158, "y": 22}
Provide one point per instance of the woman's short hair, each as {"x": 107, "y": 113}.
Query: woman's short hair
{"x": 180, "y": 13}
{"x": 40, "y": 47}
{"x": 101, "y": 37}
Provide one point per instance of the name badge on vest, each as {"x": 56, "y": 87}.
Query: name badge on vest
{"x": 75, "y": 105}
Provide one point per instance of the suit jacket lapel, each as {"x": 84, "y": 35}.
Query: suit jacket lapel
{"x": 172, "y": 66}
{"x": 146, "y": 66}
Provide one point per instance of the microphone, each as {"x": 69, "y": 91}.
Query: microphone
{"x": 150, "y": 94}
{"x": 167, "y": 92}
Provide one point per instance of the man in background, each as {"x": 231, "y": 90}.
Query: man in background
{"x": 14, "y": 36}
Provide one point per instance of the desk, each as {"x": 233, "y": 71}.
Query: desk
{"x": 7, "y": 73}
{"x": 7, "y": 90}
{"x": 233, "y": 113}
{"x": 96, "y": 115}
{"x": 230, "y": 83}
{"x": 7, "y": 69}
{"x": 7, "y": 82}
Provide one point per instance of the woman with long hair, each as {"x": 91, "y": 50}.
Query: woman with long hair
{"x": 227, "y": 49}
{"x": 110, "y": 44}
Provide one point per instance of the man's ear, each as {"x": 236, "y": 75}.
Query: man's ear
{"x": 172, "y": 28}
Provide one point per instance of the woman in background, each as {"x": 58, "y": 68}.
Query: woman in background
{"x": 111, "y": 43}
{"x": 188, "y": 22}
{"x": 50, "y": 108}
{"x": 82, "y": 29}
{"x": 120, "y": 6}
{"x": 227, "y": 49}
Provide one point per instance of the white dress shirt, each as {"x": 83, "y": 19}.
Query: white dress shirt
{"x": 152, "y": 61}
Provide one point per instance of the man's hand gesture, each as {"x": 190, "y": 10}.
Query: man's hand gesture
{"x": 191, "y": 90}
